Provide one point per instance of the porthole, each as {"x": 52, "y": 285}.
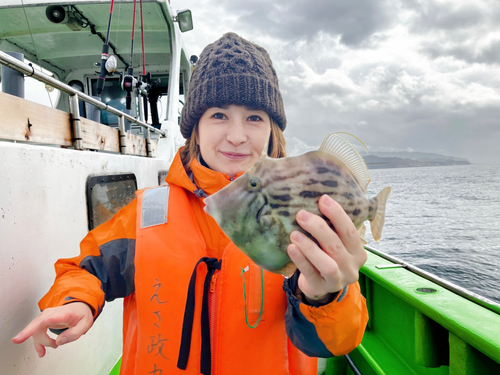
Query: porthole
{"x": 106, "y": 195}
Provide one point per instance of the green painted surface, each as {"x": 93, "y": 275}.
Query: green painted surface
{"x": 116, "y": 369}
{"x": 410, "y": 332}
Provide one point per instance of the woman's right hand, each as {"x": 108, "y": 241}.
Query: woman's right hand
{"x": 76, "y": 316}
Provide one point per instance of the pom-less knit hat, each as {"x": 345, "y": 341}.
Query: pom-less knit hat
{"x": 232, "y": 70}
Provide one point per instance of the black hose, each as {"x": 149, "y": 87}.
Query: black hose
{"x": 352, "y": 365}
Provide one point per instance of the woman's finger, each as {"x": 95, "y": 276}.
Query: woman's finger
{"x": 305, "y": 267}
{"x": 343, "y": 225}
{"x": 44, "y": 339}
{"x": 40, "y": 349}
{"x": 27, "y": 332}
{"x": 315, "y": 255}
{"x": 75, "y": 332}
{"x": 329, "y": 241}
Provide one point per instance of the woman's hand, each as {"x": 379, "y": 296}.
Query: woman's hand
{"x": 76, "y": 316}
{"x": 334, "y": 265}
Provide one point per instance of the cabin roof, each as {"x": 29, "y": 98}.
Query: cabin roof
{"x": 64, "y": 47}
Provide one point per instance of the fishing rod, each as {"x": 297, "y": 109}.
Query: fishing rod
{"x": 144, "y": 84}
{"x": 145, "y": 78}
{"x": 105, "y": 56}
{"x": 128, "y": 80}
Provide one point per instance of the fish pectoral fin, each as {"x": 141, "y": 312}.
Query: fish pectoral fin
{"x": 343, "y": 150}
{"x": 377, "y": 223}
{"x": 362, "y": 233}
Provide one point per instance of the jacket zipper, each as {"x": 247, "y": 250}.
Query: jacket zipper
{"x": 212, "y": 301}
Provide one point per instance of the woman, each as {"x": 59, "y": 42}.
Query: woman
{"x": 182, "y": 278}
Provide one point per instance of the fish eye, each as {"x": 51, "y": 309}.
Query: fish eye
{"x": 253, "y": 183}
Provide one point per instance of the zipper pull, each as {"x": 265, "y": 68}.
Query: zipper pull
{"x": 212, "y": 282}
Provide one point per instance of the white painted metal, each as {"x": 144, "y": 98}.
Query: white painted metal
{"x": 43, "y": 217}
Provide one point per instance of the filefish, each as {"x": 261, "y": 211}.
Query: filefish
{"x": 257, "y": 210}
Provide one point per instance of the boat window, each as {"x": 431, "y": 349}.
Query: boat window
{"x": 112, "y": 95}
{"x": 162, "y": 175}
{"x": 106, "y": 195}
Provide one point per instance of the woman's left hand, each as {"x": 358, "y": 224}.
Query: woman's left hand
{"x": 334, "y": 265}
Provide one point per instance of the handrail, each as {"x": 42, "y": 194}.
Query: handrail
{"x": 30, "y": 71}
{"x": 471, "y": 296}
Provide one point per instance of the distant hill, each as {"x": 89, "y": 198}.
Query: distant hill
{"x": 403, "y": 159}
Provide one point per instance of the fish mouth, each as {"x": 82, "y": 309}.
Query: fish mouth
{"x": 207, "y": 205}
{"x": 262, "y": 211}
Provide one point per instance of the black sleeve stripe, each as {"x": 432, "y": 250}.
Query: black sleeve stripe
{"x": 114, "y": 268}
{"x": 301, "y": 332}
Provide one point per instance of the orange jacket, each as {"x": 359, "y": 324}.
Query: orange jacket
{"x": 150, "y": 262}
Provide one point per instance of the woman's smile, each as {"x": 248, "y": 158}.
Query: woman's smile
{"x": 231, "y": 138}
{"x": 234, "y": 155}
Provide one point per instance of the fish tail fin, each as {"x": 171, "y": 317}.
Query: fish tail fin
{"x": 362, "y": 233}
{"x": 377, "y": 223}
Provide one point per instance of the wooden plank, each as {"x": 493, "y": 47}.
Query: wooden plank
{"x": 27, "y": 121}
{"x": 154, "y": 149}
{"x": 97, "y": 136}
{"x": 135, "y": 145}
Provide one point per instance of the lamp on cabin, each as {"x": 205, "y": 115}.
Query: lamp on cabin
{"x": 184, "y": 19}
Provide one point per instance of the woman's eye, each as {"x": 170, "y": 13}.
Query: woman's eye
{"x": 254, "y": 118}
{"x": 219, "y": 116}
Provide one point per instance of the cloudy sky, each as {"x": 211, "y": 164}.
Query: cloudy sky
{"x": 421, "y": 75}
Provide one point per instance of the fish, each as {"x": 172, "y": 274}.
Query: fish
{"x": 257, "y": 210}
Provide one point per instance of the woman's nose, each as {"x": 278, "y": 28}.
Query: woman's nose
{"x": 236, "y": 133}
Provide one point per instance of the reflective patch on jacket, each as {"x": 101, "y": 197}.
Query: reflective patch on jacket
{"x": 155, "y": 207}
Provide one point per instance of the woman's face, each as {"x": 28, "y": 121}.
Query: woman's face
{"x": 231, "y": 138}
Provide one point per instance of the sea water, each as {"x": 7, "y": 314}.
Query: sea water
{"x": 444, "y": 220}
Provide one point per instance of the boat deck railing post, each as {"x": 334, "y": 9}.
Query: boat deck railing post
{"x": 76, "y": 122}
{"x": 123, "y": 135}
{"x": 149, "y": 152}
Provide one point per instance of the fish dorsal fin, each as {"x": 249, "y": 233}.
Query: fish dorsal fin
{"x": 345, "y": 151}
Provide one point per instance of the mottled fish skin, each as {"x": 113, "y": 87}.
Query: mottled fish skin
{"x": 259, "y": 220}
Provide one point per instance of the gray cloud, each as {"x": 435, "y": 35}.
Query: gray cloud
{"x": 489, "y": 54}
{"x": 430, "y": 16}
{"x": 353, "y": 20}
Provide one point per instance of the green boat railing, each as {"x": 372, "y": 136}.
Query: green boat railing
{"x": 420, "y": 324}
{"x": 480, "y": 300}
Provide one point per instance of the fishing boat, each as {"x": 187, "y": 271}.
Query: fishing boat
{"x": 114, "y": 129}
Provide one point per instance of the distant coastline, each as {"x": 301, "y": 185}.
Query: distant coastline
{"x": 381, "y": 160}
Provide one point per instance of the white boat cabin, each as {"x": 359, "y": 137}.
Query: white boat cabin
{"x": 62, "y": 173}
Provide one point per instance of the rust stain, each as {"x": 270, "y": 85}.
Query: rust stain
{"x": 28, "y": 131}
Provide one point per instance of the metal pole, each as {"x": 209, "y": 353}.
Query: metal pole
{"x": 76, "y": 123}
{"x": 123, "y": 135}
{"x": 148, "y": 144}
{"x": 12, "y": 80}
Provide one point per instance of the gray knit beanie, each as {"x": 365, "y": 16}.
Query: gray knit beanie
{"x": 232, "y": 70}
